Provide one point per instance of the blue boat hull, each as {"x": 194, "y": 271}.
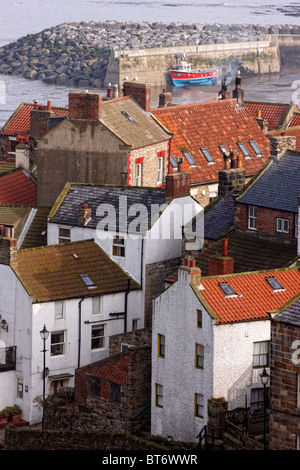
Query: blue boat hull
{"x": 193, "y": 81}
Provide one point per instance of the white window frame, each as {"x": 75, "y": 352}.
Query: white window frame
{"x": 119, "y": 248}
{"x": 159, "y": 396}
{"x": 62, "y": 310}
{"x": 100, "y": 336}
{"x": 135, "y": 324}
{"x": 282, "y": 225}
{"x": 160, "y": 169}
{"x": 20, "y": 387}
{"x": 199, "y": 405}
{"x": 252, "y": 218}
{"x": 138, "y": 174}
{"x": 59, "y": 344}
{"x": 64, "y": 238}
{"x": 97, "y": 300}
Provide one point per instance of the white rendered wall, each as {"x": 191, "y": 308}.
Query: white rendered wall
{"x": 175, "y": 316}
{"x": 234, "y": 375}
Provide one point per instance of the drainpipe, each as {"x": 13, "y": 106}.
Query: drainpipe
{"x": 125, "y": 308}
{"x": 79, "y": 330}
{"x": 142, "y": 262}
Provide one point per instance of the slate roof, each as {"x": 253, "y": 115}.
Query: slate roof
{"x": 53, "y": 272}
{"x": 278, "y": 187}
{"x": 291, "y": 313}
{"x": 219, "y": 217}
{"x": 274, "y": 113}
{"x": 19, "y": 122}
{"x": 116, "y": 114}
{"x": 18, "y": 187}
{"x": 65, "y": 210}
{"x": 255, "y": 297}
{"x": 208, "y": 125}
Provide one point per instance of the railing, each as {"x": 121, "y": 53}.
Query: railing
{"x": 8, "y": 358}
{"x": 146, "y": 408}
{"x": 207, "y": 434}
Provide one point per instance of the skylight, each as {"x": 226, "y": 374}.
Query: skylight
{"x": 130, "y": 118}
{"x": 274, "y": 283}
{"x": 223, "y": 148}
{"x": 173, "y": 161}
{"x": 88, "y": 281}
{"x": 207, "y": 155}
{"x": 188, "y": 156}
{"x": 226, "y": 288}
{"x": 243, "y": 149}
{"x": 255, "y": 148}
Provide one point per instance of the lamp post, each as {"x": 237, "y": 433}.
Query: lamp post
{"x": 44, "y": 335}
{"x": 265, "y": 380}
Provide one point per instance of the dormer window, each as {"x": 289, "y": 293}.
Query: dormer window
{"x": 189, "y": 157}
{"x": 227, "y": 289}
{"x": 274, "y": 283}
{"x": 255, "y": 148}
{"x": 207, "y": 155}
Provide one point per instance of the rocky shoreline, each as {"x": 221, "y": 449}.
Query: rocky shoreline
{"x": 77, "y": 53}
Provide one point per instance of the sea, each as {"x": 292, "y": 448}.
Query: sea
{"x": 19, "y": 18}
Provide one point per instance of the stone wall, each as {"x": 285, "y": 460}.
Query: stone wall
{"x": 135, "y": 338}
{"x": 18, "y": 439}
{"x": 156, "y": 273}
{"x": 284, "y": 408}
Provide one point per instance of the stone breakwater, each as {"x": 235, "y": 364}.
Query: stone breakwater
{"x": 78, "y": 53}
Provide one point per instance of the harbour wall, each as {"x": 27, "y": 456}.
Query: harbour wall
{"x": 153, "y": 65}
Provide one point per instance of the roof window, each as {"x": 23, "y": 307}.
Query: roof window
{"x": 88, "y": 281}
{"x": 244, "y": 150}
{"x": 255, "y": 148}
{"x": 130, "y": 118}
{"x": 274, "y": 283}
{"x": 207, "y": 155}
{"x": 227, "y": 289}
{"x": 189, "y": 157}
{"x": 173, "y": 161}
{"x": 223, "y": 149}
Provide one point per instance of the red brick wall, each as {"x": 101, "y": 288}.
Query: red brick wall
{"x": 39, "y": 122}
{"x": 266, "y": 221}
{"x": 85, "y": 105}
{"x": 140, "y": 92}
{"x": 284, "y": 412}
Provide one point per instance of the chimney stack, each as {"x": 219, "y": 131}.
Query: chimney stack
{"x": 8, "y": 250}
{"x": 140, "y": 92}
{"x": 219, "y": 265}
{"x": 263, "y": 123}
{"x": 84, "y": 105}
{"x": 223, "y": 93}
{"x": 281, "y": 144}
{"x": 39, "y": 116}
{"x": 178, "y": 184}
{"x": 165, "y": 98}
{"x": 189, "y": 272}
{"x": 238, "y": 93}
{"x": 84, "y": 215}
{"x": 232, "y": 177}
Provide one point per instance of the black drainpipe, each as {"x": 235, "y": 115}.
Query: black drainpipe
{"x": 125, "y": 307}
{"x": 79, "y": 330}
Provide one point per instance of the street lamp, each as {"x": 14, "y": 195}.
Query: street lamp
{"x": 264, "y": 380}
{"x": 44, "y": 335}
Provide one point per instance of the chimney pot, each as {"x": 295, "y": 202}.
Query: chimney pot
{"x": 225, "y": 247}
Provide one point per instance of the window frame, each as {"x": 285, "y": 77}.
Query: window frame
{"x": 282, "y": 221}
{"x": 94, "y": 338}
{"x": 273, "y": 280}
{"x": 173, "y": 162}
{"x": 99, "y": 312}
{"x": 260, "y": 354}
{"x": 138, "y": 174}
{"x": 56, "y": 318}
{"x": 20, "y": 386}
{"x": 207, "y": 155}
{"x": 199, "y": 318}
{"x": 58, "y": 344}
{"x": 94, "y": 385}
{"x": 199, "y": 356}
{"x": 160, "y": 170}
{"x": 114, "y": 391}
{"x": 188, "y": 157}
{"x": 199, "y": 405}
{"x": 159, "y": 396}
{"x": 64, "y": 238}
{"x": 135, "y": 324}
{"x": 252, "y": 217}
{"x": 226, "y": 285}
{"x": 256, "y": 148}
{"x": 118, "y": 249}
{"x": 243, "y": 148}
{"x": 161, "y": 345}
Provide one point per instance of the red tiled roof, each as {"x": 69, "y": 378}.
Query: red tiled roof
{"x": 19, "y": 122}
{"x": 18, "y": 187}
{"x": 208, "y": 125}
{"x": 255, "y": 296}
{"x": 272, "y": 112}
{"x": 295, "y": 121}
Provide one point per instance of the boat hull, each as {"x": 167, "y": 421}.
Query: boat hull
{"x": 184, "y": 78}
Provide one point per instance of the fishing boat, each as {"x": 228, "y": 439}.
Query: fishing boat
{"x": 184, "y": 75}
